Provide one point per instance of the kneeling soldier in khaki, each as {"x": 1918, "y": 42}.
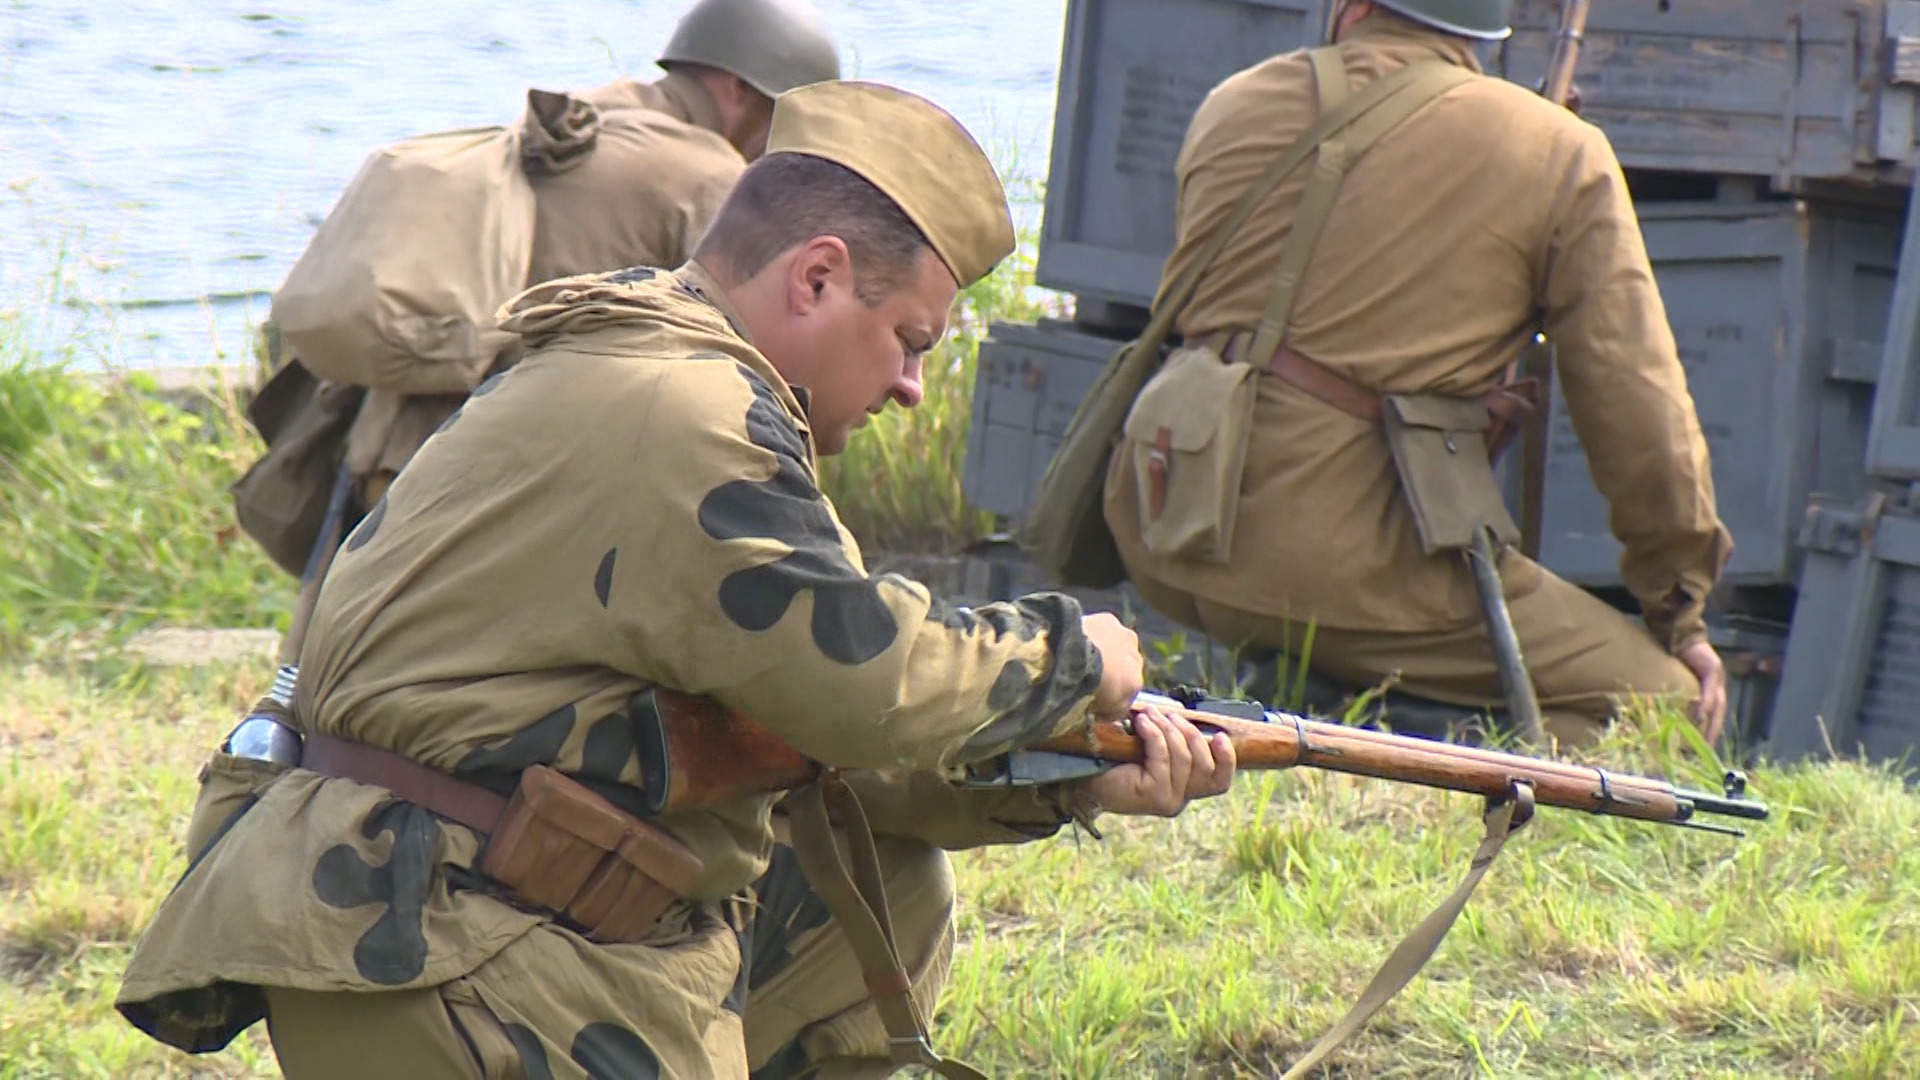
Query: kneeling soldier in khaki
{"x": 1356, "y": 363}
{"x": 634, "y": 507}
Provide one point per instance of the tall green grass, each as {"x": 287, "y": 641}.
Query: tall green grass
{"x": 115, "y": 515}
{"x": 897, "y": 484}
{"x": 114, "y": 511}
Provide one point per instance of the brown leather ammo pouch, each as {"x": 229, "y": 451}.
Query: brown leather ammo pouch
{"x": 561, "y": 847}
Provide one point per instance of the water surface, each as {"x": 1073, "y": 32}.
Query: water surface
{"x": 163, "y": 164}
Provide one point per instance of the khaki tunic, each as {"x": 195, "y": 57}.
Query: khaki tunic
{"x": 658, "y": 173}
{"x": 1489, "y": 214}
{"x": 634, "y": 503}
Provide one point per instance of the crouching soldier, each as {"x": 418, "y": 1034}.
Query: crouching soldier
{"x": 632, "y": 510}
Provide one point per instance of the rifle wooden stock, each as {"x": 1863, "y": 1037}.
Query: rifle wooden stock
{"x": 697, "y": 753}
{"x": 1566, "y": 52}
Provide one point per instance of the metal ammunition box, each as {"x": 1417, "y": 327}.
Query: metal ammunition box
{"x": 1779, "y": 310}
{"x": 1778, "y": 88}
{"x": 1852, "y": 673}
{"x": 1028, "y": 381}
{"x": 1893, "y": 443}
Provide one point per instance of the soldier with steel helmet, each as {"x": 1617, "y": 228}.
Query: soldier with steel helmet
{"x": 1375, "y": 302}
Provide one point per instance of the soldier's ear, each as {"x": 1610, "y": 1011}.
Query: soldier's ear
{"x": 815, "y": 264}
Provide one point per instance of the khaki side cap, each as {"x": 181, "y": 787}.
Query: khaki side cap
{"x": 913, "y": 151}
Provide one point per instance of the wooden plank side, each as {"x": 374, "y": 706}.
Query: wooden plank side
{"x": 1757, "y": 20}
{"x": 1699, "y": 89}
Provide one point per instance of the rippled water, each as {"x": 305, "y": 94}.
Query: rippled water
{"x": 166, "y": 162}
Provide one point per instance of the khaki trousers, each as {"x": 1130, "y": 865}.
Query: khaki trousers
{"x": 1584, "y": 655}
{"x": 552, "y": 1005}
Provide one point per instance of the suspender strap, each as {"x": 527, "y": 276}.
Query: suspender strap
{"x": 1329, "y": 168}
{"x": 1393, "y": 88}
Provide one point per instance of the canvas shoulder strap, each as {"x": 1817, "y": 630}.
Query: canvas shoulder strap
{"x": 1395, "y": 97}
{"x": 857, "y": 900}
{"x": 1334, "y": 154}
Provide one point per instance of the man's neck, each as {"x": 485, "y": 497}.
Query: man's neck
{"x": 733, "y": 302}
{"x": 712, "y": 284}
{"x": 692, "y": 101}
{"x": 1382, "y": 27}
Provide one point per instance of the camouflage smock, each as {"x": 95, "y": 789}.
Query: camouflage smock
{"x": 634, "y": 503}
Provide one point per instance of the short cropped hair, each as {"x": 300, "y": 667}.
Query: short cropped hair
{"x": 784, "y": 199}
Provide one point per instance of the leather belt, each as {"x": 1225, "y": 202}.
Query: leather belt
{"x": 457, "y": 800}
{"x": 1508, "y": 404}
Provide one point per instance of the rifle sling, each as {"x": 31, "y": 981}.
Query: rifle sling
{"x": 859, "y": 907}
{"x": 1502, "y": 818}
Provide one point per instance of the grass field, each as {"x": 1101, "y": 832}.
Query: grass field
{"x": 1214, "y": 945}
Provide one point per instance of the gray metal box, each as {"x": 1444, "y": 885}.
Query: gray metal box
{"x": 1132, "y": 72}
{"x": 1893, "y": 441}
{"x": 1754, "y": 652}
{"x": 1852, "y": 677}
{"x": 1788, "y": 88}
{"x": 1779, "y": 309}
{"x": 1028, "y": 381}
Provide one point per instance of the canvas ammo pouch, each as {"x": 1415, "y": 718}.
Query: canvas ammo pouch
{"x": 1439, "y": 446}
{"x": 1186, "y": 443}
{"x": 562, "y": 848}
{"x": 554, "y": 846}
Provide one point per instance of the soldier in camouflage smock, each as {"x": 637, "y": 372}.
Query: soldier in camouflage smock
{"x": 635, "y": 504}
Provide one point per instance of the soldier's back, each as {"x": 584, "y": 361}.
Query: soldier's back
{"x": 1429, "y": 271}
{"x": 654, "y": 179}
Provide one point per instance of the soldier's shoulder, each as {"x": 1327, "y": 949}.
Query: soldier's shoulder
{"x": 1250, "y": 100}
{"x": 1287, "y": 72}
{"x": 691, "y": 143}
{"x": 621, "y": 93}
{"x": 713, "y": 393}
{"x": 1512, "y": 103}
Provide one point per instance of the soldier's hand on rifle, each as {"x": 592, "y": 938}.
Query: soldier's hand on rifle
{"x": 1123, "y": 670}
{"x": 1711, "y": 709}
{"x": 1182, "y": 764}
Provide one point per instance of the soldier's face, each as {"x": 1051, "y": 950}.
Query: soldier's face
{"x": 859, "y": 358}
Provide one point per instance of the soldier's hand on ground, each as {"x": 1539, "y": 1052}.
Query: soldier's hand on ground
{"x": 1123, "y": 672}
{"x": 1711, "y": 709}
{"x": 1182, "y": 764}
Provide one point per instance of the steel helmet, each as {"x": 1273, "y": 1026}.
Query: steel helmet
{"x": 1483, "y": 19}
{"x": 771, "y": 45}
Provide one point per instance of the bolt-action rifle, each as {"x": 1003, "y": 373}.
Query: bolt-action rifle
{"x": 695, "y": 753}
